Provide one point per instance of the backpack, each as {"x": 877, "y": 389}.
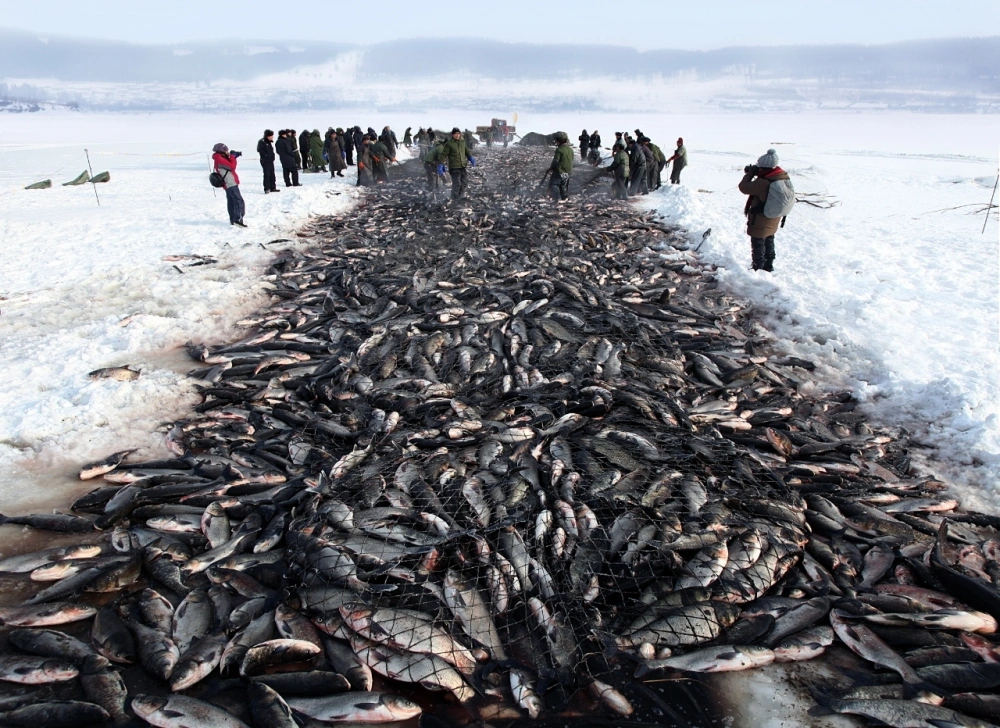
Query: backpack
{"x": 780, "y": 198}
{"x": 215, "y": 179}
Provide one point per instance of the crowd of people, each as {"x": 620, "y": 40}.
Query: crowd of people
{"x": 636, "y": 167}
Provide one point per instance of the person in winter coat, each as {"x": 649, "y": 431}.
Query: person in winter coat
{"x": 225, "y": 165}
{"x": 293, "y": 142}
{"x": 455, "y": 154}
{"x": 660, "y": 160}
{"x": 650, "y": 163}
{"x": 619, "y": 168}
{"x": 286, "y": 155}
{"x": 680, "y": 160}
{"x": 756, "y": 184}
{"x": 346, "y": 140}
{"x": 366, "y": 178}
{"x": 265, "y": 151}
{"x": 316, "y": 152}
{"x": 584, "y": 145}
{"x": 388, "y": 139}
{"x": 358, "y": 137}
{"x": 595, "y": 141}
{"x": 304, "y": 148}
{"x": 408, "y": 137}
{"x": 381, "y": 158}
{"x": 561, "y": 168}
{"x": 337, "y": 162}
{"x": 636, "y": 168}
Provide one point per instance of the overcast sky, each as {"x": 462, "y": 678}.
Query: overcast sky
{"x": 642, "y": 24}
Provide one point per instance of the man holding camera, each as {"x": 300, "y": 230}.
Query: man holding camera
{"x": 771, "y": 197}
{"x": 225, "y": 166}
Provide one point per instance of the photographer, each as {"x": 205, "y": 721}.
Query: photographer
{"x": 225, "y": 166}
{"x": 771, "y": 197}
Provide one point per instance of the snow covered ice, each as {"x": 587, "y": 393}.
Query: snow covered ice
{"x": 85, "y": 287}
{"x": 891, "y": 292}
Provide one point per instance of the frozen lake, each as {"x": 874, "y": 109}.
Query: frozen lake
{"x": 894, "y": 290}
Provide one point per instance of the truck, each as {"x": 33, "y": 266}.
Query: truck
{"x": 502, "y": 132}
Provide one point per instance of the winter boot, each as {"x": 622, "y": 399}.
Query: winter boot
{"x": 769, "y": 253}
{"x": 757, "y": 253}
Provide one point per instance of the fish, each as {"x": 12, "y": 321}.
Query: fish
{"x": 729, "y": 658}
{"x": 45, "y": 615}
{"x": 372, "y": 707}
{"x": 55, "y": 714}
{"x": 178, "y": 711}
{"x": 119, "y": 374}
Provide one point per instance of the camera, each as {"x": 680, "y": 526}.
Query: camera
{"x": 751, "y": 168}
{"x": 235, "y": 154}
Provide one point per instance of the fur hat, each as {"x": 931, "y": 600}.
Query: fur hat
{"x": 769, "y": 160}
{"x": 456, "y": 130}
{"x": 268, "y": 133}
{"x": 220, "y": 148}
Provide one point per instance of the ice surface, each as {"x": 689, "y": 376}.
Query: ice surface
{"x": 85, "y": 287}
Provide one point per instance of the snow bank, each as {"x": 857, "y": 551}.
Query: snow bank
{"x": 86, "y": 287}
{"x": 892, "y": 290}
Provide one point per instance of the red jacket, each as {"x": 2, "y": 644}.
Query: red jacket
{"x": 226, "y": 166}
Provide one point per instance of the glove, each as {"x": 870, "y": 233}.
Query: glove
{"x": 472, "y": 161}
{"x": 441, "y": 170}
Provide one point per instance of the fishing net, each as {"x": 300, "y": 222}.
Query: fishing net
{"x": 535, "y": 431}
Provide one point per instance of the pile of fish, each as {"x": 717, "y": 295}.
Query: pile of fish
{"x": 499, "y": 458}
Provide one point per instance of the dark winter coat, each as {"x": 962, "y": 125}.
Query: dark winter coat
{"x": 585, "y": 141}
{"x": 304, "y": 146}
{"x": 595, "y": 141}
{"x": 336, "y": 157}
{"x": 636, "y": 161}
{"x": 358, "y": 138}
{"x": 386, "y": 138}
{"x": 648, "y": 154}
{"x": 265, "y": 150}
{"x": 407, "y": 137}
{"x": 283, "y": 148}
{"x": 759, "y": 226}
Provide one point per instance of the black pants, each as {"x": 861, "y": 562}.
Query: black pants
{"x": 349, "y": 151}
{"x": 762, "y": 252}
{"x": 270, "y": 183}
{"x": 459, "y": 180}
{"x": 659, "y": 174}
{"x": 675, "y": 175}
{"x": 583, "y": 153}
{"x": 291, "y": 175}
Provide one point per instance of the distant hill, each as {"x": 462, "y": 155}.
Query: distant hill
{"x": 968, "y": 63}
{"x": 952, "y": 75}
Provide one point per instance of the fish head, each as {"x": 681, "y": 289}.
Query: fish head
{"x": 726, "y": 612}
{"x": 400, "y": 707}
{"x": 145, "y": 705}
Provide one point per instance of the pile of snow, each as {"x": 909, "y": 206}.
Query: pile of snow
{"x": 84, "y": 286}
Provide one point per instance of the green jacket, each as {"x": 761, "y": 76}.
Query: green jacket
{"x": 619, "y": 164}
{"x": 380, "y": 150}
{"x": 316, "y": 149}
{"x": 658, "y": 154}
{"x": 562, "y": 161}
{"x": 455, "y": 152}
